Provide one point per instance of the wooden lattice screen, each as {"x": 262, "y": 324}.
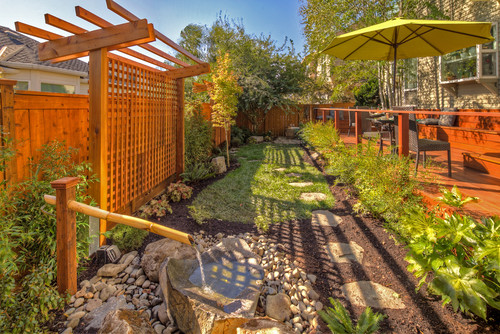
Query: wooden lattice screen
{"x": 141, "y": 132}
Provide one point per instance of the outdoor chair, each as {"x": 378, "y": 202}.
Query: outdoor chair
{"x": 418, "y": 145}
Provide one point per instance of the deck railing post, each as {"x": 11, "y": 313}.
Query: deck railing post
{"x": 403, "y": 134}
{"x": 323, "y": 115}
{"x": 66, "y": 234}
{"x": 337, "y": 119}
{"x": 358, "y": 127}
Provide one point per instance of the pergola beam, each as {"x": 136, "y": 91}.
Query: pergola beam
{"x": 114, "y": 7}
{"x": 190, "y": 71}
{"x": 74, "y": 29}
{"x": 100, "y": 22}
{"x": 112, "y": 38}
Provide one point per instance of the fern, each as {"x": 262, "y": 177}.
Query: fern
{"x": 339, "y": 321}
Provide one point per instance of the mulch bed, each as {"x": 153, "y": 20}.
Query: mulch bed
{"x": 384, "y": 262}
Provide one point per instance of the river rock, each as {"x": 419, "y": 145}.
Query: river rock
{"x": 278, "y": 307}
{"x": 158, "y": 251}
{"x": 263, "y": 326}
{"x": 110, "y": 270}
{"x": 128, "y": 258}
{"x": 107, "y": 292}
{"x": 92, "y": 304}
{"x": 126, "y": 321}
{"x": 96, "y": 317}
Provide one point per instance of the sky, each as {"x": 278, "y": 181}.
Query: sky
{"x": 278, "y": 18}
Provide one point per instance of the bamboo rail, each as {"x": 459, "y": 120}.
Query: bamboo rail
{"x": 66, "y": 208}
{"x": 126, "y": 220}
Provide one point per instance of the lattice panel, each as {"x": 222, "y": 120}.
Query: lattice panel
{"x": 141, "y": 132}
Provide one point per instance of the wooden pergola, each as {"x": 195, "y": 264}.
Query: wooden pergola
{"x": 136, "y": 113}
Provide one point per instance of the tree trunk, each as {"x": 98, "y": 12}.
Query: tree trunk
{"x": 227, "y": 147}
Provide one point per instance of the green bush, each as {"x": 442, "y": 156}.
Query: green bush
{"x": 127, "y": 238}
{"x": 339, "y": 321}
{"x": 197, "y": 172}
{"x": 197, "y": 135}
{"x": 239, "y": 135}
{"x": 28, "y": 240}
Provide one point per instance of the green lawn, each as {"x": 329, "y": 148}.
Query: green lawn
{"x": 257, "y": 193}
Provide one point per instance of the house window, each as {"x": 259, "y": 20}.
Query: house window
{"x": 472, "y": 63}
{"x": 57, "y": 88}
{"x": 22, "y": 85}
{"x": 410, "y": 73}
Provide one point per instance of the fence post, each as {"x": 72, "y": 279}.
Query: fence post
{"x": 7, "y": 123}
{"x": 66, "y": 234}
{"x": 403, "y": 134}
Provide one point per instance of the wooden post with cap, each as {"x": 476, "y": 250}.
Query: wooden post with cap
{"x": 66, "y": 234}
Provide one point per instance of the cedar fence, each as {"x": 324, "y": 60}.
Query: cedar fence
{"x": 277, "y": 120}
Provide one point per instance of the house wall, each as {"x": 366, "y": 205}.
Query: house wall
{"x": 36, "y": 77}
{"x": 430, "y": 94}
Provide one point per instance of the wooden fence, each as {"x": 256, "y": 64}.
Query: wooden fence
{"x": 218, "y": 135}
{"x": 143, "y": 131}
{"x": 277, "y": 120}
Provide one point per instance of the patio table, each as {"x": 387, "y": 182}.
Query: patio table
{"x": 384, "y": 124}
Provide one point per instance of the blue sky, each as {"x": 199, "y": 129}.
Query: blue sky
{"x": 278, "y": 18}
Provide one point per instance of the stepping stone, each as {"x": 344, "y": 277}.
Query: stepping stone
{"x": 300, "y": 184}
{"x": 345, "y": 253}
{"x": 367, "y": 293}
{"x": 315, "y": 155}
{"x": 325, "y": 218}
{"x": 312, "y": 196}
{"x": 281, "y": 169}
{"x": 294, "y": 175}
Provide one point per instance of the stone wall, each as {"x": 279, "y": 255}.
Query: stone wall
{"x": 430, "y": 94}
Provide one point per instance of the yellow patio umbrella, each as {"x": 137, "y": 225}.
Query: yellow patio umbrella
{"x": 406, "y": 38}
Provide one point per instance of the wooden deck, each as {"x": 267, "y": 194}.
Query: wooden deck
{"x": 469, "y": 181}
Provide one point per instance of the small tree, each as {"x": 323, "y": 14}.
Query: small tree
{"x": 224, "y": 91}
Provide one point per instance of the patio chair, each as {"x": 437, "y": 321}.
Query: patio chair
{"x": 418, "y": 145}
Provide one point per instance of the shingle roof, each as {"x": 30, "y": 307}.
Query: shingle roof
{"x": 22, "y": 49}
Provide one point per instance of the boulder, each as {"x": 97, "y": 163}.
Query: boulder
{"x": 96, "y": 317}
{"x": 278, "y": 307}
{"x": 219, "y": 164}
{"x": 158, "y": 251}
{"x": 111, "y": 270}
{"x": 233, "y": 280}
{"x": 256, "y": 139}
{"x": 126, "y": 322}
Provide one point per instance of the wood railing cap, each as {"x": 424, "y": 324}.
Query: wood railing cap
{"x": 65, "y": 182}
{"x": 8, "y": 82}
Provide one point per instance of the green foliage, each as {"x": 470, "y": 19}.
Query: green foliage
{"x": 197, "y": 172}
{"x": 455, "y": 198}
{"x": 157, "y": 207}
{"x": 271, "y": 75}
{"x": 178, "y": 190}
{"x": 339, "y": 321}
{"x": 367, "y": 93}
{"x": 463, "y": 254}
{"x": 127, "y": 238}
{"x": 28, "y": 240}
{"x": 239, "y": 135}
{"x": 197, "y": 135}
{"x": 383, "y": 184}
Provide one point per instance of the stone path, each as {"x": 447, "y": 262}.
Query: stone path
{"x": 312, "y": 196}
{"x": 325, "y": 218}
{"x": 345, "y": 253}
{"x": 300, "y": 184}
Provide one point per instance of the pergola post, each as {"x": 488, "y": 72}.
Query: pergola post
{"x": 179, "y": 167}
{"x": 98, "y": 128}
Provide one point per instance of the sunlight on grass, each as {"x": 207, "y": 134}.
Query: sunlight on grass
{"x": 257, "y": 193}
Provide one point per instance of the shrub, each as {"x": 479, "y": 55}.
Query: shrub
{"x": 198, "y": 135}
{"x": 157, "y": 207}
{"x": 127, "y": 238}
{"x": 177, "y": 191}
{"x": 339, "y": 322}
{"x": 28, "y": 240}
{"x": 197, "y": 172}
{"x": 239, "y": 135}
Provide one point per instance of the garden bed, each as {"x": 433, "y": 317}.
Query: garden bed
{"x": 303, "y": 243}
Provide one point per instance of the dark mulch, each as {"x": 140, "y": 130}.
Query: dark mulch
{"x": 384, "y": 262}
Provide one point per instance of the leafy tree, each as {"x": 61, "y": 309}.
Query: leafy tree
{"x": 224, "y": 93}
{"x": 367, "y": 94}
{"x": 271, "y": 75}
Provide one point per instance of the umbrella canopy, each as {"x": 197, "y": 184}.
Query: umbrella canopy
{"x": 401, "y": 38}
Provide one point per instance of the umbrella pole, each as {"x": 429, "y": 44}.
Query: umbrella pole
{"x": 394, "y": 75}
